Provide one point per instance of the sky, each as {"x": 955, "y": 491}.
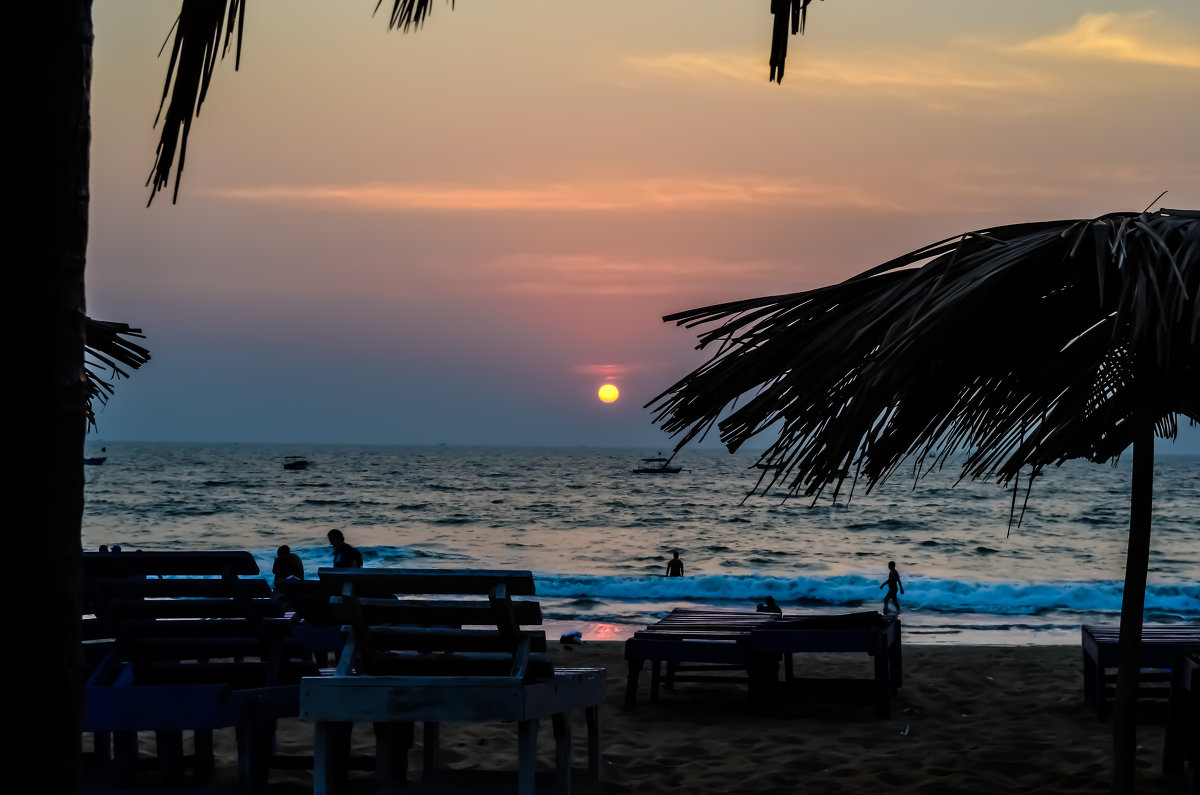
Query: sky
{"x": 457, "y": 235}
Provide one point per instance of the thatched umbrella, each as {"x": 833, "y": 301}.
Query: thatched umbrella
{"x": 1018, "y": 346}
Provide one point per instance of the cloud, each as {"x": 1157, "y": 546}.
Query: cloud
{"x": 1115, "y": 37}
{"x": 926, "y": 75}
{"x": 664, "y": 194}
{"x": 596, "y": 275}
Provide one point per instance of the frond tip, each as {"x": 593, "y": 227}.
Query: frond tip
{"x": 193, "y": 56}
{"x": 109, "y": 347}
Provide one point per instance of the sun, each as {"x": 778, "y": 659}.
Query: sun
{"x": 608, "y": 393}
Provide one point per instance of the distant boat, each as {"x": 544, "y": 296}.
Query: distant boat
{"x": 657, "y": 466}
{"x": 295, "y": 462}
{"x": 94, "y": 462}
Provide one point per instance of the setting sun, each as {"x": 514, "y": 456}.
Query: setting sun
{"x": 608, "y": 393}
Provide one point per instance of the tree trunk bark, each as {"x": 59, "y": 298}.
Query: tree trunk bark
{"x": 1133, "y": 602}
{"x": 47, "y": 95}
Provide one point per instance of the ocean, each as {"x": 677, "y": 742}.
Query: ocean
{"x": 598, "y": 537}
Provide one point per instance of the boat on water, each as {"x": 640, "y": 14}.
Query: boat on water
{"x": 94, "y": 462}
{"x": 657, "y": 466}
{"x": 295, "y": 462}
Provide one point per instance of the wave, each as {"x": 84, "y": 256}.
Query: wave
{"x": 851, "y": 590}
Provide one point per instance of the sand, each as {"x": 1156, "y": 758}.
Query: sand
{"x": 969, "y": 719}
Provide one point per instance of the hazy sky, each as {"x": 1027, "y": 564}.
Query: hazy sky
{"x": 457, "y": 235}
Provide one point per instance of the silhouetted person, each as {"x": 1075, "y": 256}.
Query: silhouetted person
{"x": 344, "y": 555}
{"x": 892, "y": 583}
{"x": 104, "y": 547}
{"x": 675, "y": 566}
{"x": 287, "y": 564}
{"x": 769, "y": 606}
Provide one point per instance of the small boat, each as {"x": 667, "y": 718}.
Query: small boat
{"x": 657, "y": 466}
{"x": 295, "y": 462}
{"x": 95, "y": 462}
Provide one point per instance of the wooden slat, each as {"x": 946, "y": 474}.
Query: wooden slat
{"x": 143, "y": 564}
{"x": 386, "y": 582}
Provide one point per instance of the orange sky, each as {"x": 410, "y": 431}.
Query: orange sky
{"x": 458, "y": 234}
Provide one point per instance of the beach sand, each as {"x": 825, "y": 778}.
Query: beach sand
{"x": 969, "y": 719}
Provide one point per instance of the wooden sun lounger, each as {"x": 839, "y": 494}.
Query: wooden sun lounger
{"x": 1160, "y": 648}
{"x": 410, "y": 658}
{"x": 197, "y": 644}
{"x": 694, "y": 645}
{"x": 876, "y": 635}
{"x": 1181, "y": 743}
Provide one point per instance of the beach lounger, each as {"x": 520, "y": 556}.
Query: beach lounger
{"x": 694, "y": 645}
{"x": 876, "y": 635}
{"x": 1160, "y": 648}
{"x": 198, "y": 644}
{"x": 423, "y": 646}
{"x": 1181, "y": 742}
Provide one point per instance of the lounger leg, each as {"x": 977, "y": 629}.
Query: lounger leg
{"x": 392, "y": 742}
{"x": 883, "y": 685}
{"x": 254, "y": 755}
{"x": 125, "y": 758}
{"x": 169, "y": 743}
{"x": 331, "y": 747}
{"x": 655, "y": 679}
{"x": 202, "y": 749}
{"x": 595, "y": 749}
{"x": 430, "y": 747}
{"x": 669, "y": 679}
{"x": 1174, "y": 735}
{"x": 562, "y": 752}
{"x": 897, "y": 664}
{"x": 1089, "y": 682}
{"x": 527, "y": 732}
{"x": 631, "y": 683}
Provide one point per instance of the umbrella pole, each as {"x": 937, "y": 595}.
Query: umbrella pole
{"x": 1133, "y": 603}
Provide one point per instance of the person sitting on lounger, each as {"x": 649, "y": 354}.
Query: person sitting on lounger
{"x": 287, "y": 564}
{"x": 770, "y": 606}
{"x": 892, "y": 583}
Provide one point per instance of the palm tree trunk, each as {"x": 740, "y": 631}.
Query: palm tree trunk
{"x": 1132, "y": 606}
{"x": 47, "y": 89}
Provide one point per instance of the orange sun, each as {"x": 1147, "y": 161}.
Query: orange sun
{"x": 608, "y": 393}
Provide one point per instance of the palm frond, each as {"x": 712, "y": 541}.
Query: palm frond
{"x": 109, "y": 351}
{"x": 1020, "y": 346}
{"x": 194, "y": 54}
{"x": 789, "y": 14}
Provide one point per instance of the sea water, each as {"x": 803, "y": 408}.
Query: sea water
{"x": 597, "y": 536}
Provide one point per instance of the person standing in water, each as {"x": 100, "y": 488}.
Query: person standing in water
{"x": 892, "y": 583}
{"x": 675, "y": 566}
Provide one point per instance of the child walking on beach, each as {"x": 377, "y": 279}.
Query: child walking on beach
{"x": 892, "y": 582}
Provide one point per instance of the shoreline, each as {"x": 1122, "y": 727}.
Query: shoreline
{"x": 968, "y": 719}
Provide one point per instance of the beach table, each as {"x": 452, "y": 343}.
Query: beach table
{"x": 1181, "y": 742}
{"x": 1160, "y": 649}
{"x": 692, "y": 643}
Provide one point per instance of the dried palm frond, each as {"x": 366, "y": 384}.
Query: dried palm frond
{"x": 794, "y": 12}
{"x": 1019, "y": 346}
{"x": 109, "y": 348}
{"x": 194, "y": 55}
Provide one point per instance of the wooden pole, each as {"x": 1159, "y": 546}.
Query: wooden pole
{"x": 1132, "y": 607}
